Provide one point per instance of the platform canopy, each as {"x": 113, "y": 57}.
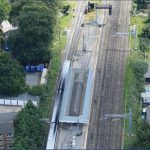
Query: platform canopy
{"x": 77, "y": 97}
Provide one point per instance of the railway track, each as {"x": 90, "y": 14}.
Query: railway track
{"x": 108, "y": 87}
{"x": 74, "y": 37}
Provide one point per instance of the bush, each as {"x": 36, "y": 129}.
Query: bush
{"x": 36, "y": 90}
{"x": 12, "y": 76}
{"x": 65, "y": 9}
{"x": 139, "y": 67}
{"x": 29, "y": 129}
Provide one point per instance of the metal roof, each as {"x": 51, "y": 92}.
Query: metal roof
{"x": 77, "y": 94}
{"x": 147, "y": 88}
{"x": 148, "y": 115}
{"x": 145, "y": 94}
{"x": 147, "y": 74}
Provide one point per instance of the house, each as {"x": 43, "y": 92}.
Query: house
{"x": 147, "y": 74}
{"x": 148, "y": 114}
{"x": 145, "y": 97}
{"x": 7, "y": 130}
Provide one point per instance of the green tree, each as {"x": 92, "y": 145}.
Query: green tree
{"x": 36, "y": 21}
{"x": 4, "y": 10}
{"x": 30, "y": 44}
{"x": 27, "y": 51}
{"x": 12, "y": 76}
{"x": 141, "y": 4}
{"x": 18, "y": 4}
{"x": 144, "y": 44}
{"x": 139, "y": 67}
{"x": 1, "y": 39}
{"x": 146, "y": 30}
{"x": 143, "y": 135}
{"x": 29, "y": 130}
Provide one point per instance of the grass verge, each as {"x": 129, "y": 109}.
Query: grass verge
{"x": 131, "y": 91}
{"x": 139, "y": 21}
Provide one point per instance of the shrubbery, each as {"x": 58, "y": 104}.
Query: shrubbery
{"x": 29, "y": 129}
{"x": 12, "y": 76}
{"x": 36, "y": 90}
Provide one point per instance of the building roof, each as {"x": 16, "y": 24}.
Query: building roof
{"x": 6, "y": 122}
{"x": 148, "y": 114}
{"x": 76, "y": 99}
{"x": 147, "y": 87}
{"x": 7, "y": 26}
{"x": 147, "y": 74}
{"x": 145, "y": 94}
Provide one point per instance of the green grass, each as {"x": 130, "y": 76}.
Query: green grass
{"x": 139, "y": 21}
{"x": 92, "y": 14}
{"x": 130, "y": 88}
{"x": 46, "y": 102}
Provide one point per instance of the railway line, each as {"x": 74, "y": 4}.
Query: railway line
{"x": 69, "y": 50}
{"x": 73, "y": 39}
{"x": 108, "y": 86}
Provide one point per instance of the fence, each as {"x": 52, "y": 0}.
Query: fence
{"x": 21, "y": 103}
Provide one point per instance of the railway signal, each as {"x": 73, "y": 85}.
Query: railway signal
{"x": 109, "y": 7}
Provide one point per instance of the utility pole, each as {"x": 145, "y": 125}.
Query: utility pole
{"x": 84, "y": 44}
{"x": 133, "y": 32}
{"x": 122, "y": 116}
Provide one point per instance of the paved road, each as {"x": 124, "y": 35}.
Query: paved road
{"x": 108, "y": 87}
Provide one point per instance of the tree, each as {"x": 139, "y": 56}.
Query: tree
{"x": 30, "y": 44}
{"x": 36, "y": 21}
{"x": 1, "y": 39}
{"x": 143, "y": 135}
{"x": 29, "y": 130}
{"x": 12, "y": 76}
{"x": 139, "y": 67}
{"x": 28, "y": 52}
{"x": 18, "y": 4}
{"x": 146, "y": 31}
{"x": 141, "y": 4}
{"x": 4, "y": 10}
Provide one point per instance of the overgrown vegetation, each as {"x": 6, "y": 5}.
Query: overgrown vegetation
{"x": 32, "y": 44}
{"x": 142, "y": 4}
{"x": 36, "y": 90}
{"x": 12, "y": 76}
{"x": 59, "y": 43}
{"x": 29, "y": 130}
{"x": 134, "y": 85}
{"x": 4, "y": 10}
{"x": 47, "y": 94}
{"x": 1, "y": 39}
{"x": 36, "y": 21}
